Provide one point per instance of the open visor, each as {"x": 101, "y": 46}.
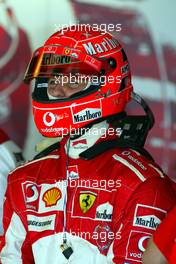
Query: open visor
{"x": 49, "y": 61}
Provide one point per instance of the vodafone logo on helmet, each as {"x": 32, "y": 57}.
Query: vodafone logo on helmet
{"x": 49, "y": 119}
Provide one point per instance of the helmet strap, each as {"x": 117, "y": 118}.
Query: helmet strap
{"x": 134, "y": 131}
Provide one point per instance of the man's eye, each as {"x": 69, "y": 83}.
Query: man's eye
{"x": 74, "y": 84}
{"x": 52, "y": 82}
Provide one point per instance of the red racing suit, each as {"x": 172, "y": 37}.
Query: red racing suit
{"x": 115, "y": 201}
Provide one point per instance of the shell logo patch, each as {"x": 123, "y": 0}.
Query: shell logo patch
{"x": 86, "y": 200}
{"x": 51, "y": 196}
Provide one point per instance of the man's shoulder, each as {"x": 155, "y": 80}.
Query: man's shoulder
{"x": 142, "y": 177}
{"x": 138, "y": 166}
{"x": 32, "y": 167}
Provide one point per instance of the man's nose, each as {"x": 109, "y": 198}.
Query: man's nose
{"x": 63, "y": 90}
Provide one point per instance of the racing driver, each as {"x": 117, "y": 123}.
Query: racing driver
{"x": 97, "y": 196}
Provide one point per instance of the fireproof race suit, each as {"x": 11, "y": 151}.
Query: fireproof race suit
{"x": 10, "y": 157}
{"x": 107, "y": 208}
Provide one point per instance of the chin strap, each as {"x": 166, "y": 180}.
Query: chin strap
{"x": 134, "y": 131}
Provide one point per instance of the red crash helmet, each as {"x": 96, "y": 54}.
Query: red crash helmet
{"x": 83, "y": 52}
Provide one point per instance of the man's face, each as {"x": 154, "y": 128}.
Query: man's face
{"x": 64, "y": 86}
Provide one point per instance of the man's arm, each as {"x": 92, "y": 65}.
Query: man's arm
{"x": 153, "y": 255}
{"x": 15, "y": 246}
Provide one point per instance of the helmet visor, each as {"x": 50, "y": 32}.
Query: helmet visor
{"x": 51, "y": 61}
